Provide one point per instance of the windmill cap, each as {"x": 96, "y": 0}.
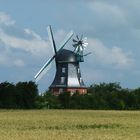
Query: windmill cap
{"x": 66, "y": 56}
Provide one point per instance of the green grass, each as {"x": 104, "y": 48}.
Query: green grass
{"x": 69, "y": 125}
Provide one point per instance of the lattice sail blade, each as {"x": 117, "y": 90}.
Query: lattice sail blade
{"x": 43, "y": 72}
{"x": 44, "y": 67}
{"x": 51, "y": 38}
{"x": 67, "y": 38}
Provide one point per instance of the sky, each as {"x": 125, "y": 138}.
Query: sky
{"x": 112, "y": 29}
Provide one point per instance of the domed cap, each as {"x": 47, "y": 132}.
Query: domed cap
{"x": 66, "y": 56}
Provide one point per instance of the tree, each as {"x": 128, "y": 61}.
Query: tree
{"x": 51, "y": 101}
{"x": 104, "y": 87}
{"x": 64, "y": 99}
{"x": 7, "y": 95}
{"x": 27, "y": 94}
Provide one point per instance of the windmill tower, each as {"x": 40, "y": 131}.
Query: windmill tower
{"x": 68, "y": 75}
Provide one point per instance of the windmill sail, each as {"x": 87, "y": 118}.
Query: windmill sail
{"x": 50, "y": 33}
{"x": 67, "y": 38}
{"x": 43, "y": 72}
{"x": 79, "y": 45}
{"x": 44, "y": 69}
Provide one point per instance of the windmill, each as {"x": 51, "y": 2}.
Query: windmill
{"x": 68, "y": 75}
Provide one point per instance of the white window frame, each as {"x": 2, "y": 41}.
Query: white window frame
{"x": 78, "y": 70}
{"x": 80, "y": 80}
{"x": 63, "y": 70}
{"x": 62, "y": 80}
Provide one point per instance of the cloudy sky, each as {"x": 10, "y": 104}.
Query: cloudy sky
{"x": 112, "y": 29}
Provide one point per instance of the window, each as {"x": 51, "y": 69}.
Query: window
{"x": 63, "y": 70}
{"x": 78, "y": 70}
{"x": 62, "y": 80}
{"x": 80, "y": 80}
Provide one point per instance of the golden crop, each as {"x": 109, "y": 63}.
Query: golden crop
{"x": 69, "y": 125}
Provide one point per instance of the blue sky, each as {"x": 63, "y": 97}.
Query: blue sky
{"x": 112, "y": 29}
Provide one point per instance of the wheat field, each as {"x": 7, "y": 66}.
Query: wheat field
{"x": 69, "y": 125}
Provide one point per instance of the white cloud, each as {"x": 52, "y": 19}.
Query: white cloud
{"x": 115, "y": 56}
{"x": 108, "y": 13}
{"x": 31, "y": 42}
{"x": 32, "y": 33}
{"x": 6, "y": 19}
{"x": 35, "y": 46}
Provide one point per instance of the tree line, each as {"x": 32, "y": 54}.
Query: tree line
{"x": 25, "y": 95}
{"x": 22, "y": 95}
